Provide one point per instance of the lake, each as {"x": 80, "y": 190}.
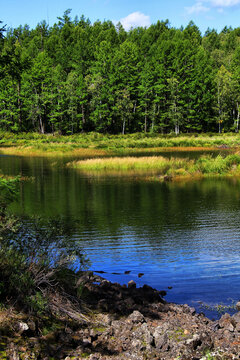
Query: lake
{"x": 180, "y": 235}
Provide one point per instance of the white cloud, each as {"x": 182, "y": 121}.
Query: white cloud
{"x": 197, "y": 8}
{"x": 203, "y": 6}
{"x": 134, "y": 20}
{"x": 224, "y": 3}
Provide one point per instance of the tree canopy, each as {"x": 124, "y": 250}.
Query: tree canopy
{"x": 76, "y": 76}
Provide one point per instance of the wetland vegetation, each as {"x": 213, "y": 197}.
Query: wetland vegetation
{"x": 173, "y": 168}
{"x": 107, "y": 101}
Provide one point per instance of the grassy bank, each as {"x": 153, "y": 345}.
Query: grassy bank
{"x": 95, "y": 144}
{"x": 173, "y": 168}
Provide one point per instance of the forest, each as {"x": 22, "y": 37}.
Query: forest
{"x": 76, "y": 76}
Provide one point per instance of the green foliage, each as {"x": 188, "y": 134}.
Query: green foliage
{"x": 8, "y": 189}
{"x": 37, "y": 303}
{"x": 34, "y": 257}
{"x": 76, "y": 76}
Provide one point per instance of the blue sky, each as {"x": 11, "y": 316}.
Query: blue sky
{"x": 205, "y": 13}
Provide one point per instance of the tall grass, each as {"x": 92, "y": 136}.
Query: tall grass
{"x": 36, "y": 143}
{"x": 129, "y": 163}
{"x": 174, "y": 167}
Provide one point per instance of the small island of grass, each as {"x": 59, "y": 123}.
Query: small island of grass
{"x": 172, "y": 168}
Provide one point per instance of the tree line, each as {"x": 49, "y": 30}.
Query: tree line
{"x": 76, "y": 76}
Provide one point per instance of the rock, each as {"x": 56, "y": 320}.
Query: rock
{"x": 137, "y": 344}
{"x": 87, "y": 341}
{"x": 215, "y": 326}
{"x": 140, "y": 275}
{"x": 194, "y": 342}
{"x": 106, "y": 319}
{"x": 127, "y": 272}
{"x": 236, "y": 317}
{"x": 226, "y": 322}
{"x": 238, "y": 306}
{"x": 148, "y": 338}
{"x": 160, "y": 339}
{"x": 106, "y": 285}
{"x": 137, "y": 317}
{"x": 189, "y": 309}
{"x": 132, "y": 284}
{"x": 237, "y": 327}
{"x": 162, "y": 293}
{"x": 94, "y": 357}
{"x": 21, "y": 327}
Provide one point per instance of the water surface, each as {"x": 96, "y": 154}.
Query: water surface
{"x": 186, "y": 236}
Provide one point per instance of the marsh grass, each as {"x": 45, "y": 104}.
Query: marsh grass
{"x": 129, "y": 163}
{"x": 172, "y": 168}
{"x": 53, "y": 151}
{"x": 34, "y": 144}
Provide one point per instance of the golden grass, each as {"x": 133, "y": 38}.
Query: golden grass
{"x": 163, "y": 168}
{"x": 31, "y": 151}
{"x": 128, "y": 163}
{"x": 170, "y": 149}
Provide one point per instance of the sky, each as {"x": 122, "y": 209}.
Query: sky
{"x": 215, "y": 14}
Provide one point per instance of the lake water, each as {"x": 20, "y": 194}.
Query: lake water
{"x": 180, "y": 235}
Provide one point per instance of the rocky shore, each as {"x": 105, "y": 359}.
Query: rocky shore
{"x": 114, "y": 321}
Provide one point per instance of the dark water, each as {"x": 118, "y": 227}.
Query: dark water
{"x": 186, "y": 236}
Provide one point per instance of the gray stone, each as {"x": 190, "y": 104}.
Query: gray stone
{"x": 21, "y": 327}
{"x": 160, "y": 339}
{"x": 148, "y": 338}
{"x": 194, "y": 342}
{"x": 137, "y": 344}
{"x": 236, "y": 317}
{"x": 137, "y": 317}
{"x": 238, "y": 327}
{"x": 227, "y": 322}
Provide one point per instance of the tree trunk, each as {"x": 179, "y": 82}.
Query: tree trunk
{"x": 41, "y": 124}
{"x": 124, "y": 124}
{"x": 237, "y": 121}
{"x": 219, "y": 111}
{"x": 83, "y": 115}
{"x": 176, "y": 129}
{"x": 19, "y": 101}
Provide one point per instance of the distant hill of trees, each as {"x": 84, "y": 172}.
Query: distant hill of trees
{"x": 77, "y": 76}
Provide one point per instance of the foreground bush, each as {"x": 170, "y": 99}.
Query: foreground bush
{"x": 37, "y": 258}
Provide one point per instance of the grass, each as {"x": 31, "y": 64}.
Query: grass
{"x": 52, "y": 151}
{"x": 172, "y": 168}
{"x": 95, "y": 144}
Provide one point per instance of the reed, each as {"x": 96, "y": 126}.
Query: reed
{"x": 173, "y": 168}
{"x": 50, "y": 151}
{"x": 128, "y": 163}
{"x": 114, "y": 144}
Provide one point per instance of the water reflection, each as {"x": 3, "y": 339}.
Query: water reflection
{"x": 184, "y": 235}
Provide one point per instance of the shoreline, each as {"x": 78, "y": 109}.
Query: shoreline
{"x": 92, "y": 144}
{"x": 114, "y": 321}
{"x": 88, "y": 152}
